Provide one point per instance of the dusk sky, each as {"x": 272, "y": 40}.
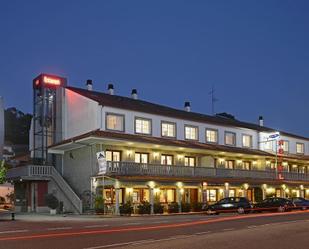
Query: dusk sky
{"x": 255, "y": 53}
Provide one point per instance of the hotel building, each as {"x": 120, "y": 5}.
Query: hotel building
{"x": 153, "y": 153}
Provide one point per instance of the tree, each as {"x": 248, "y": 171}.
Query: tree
{"x": 3, "y": 170}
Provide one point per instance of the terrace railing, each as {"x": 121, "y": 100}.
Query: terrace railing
{"x": 157, "y": 170}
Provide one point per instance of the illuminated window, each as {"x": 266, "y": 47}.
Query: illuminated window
{"x": 112, "y": 155}
{"x": 229, "y": 164}
{"x": 300, "y": 148}
{"x": 268, "y": 145}
{"x": 168, "y": 129}
{"x": 230, "y": 138}
{"x": 246, "y": 141}
{"x": 166, "y": 159}
{"x": 211, "y": 195}
{"x": 246, "y": 165}
{"x": 143, "y": 126}
{"x": 189, "y": 161}
{"x": 191, "y": 132}
{"x": 211, "y": 136}
{"x": 114, "y": 122}
{"x": 285, "y": 146}
{"x": 141, "y": 157}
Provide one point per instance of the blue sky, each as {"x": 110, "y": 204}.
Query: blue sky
{"x": 255, "y": 53}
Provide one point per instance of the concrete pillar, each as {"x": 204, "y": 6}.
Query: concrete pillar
{"x": 226, "y": 190}
{"x": 179, "y": 197}
{"x": 117, "y": 193}
{"x": 264, "y": 193}
{"x": 283, "y": 193}
{"x": 301, "y": 191}
{"x": 151, "y": 200}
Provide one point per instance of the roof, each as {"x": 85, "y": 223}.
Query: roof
{"x": 127, "y": 103}
{"x": 164, "y": 141}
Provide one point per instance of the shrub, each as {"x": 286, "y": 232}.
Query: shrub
{"x": 126, "y": 209}
{"x": 197, "y": 206}
{"x": 51, "y": 201}
{"x": 173, "y": 207}
{"x": 144, "y": 208}
{"x": 99, "y": 204}
{"x": 158, "y": 208}
{"x": 185, "y": 207}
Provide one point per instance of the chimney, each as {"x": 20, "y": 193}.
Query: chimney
{"x": 110, "y": 89}
{"x": 89, "y": 85}
{"x": 134, "y": 94}
{"x": 261, "y": 121}
{"x": 187, "y": 106}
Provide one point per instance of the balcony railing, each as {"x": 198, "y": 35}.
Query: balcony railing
{"x": 29, "y": 172}
{"x": 156, "y": 170}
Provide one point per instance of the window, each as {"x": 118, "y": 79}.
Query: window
{"x": 211, "y": 136}
{"x": 285, "y": 146}
{"x": 211, "y": 195}
{"x": 246, "y": 165}
{"x": 141, "y": 157}
{"x": 143, "y": 126}
{"x": 300, "y": 148}
{"x": 268, "y": 145}
{"x": 229, "y": 164}
{"x": 112, "y": 155}
{"x": 114, "y": 122}
{"x": 230, "y": 138}
{"x": 168, "y": 129}
{"x": 246, "y": 141}
{"x": 189, "y": 161}
{"x": 166, "y": 159}
{"x": 191, "y": 132}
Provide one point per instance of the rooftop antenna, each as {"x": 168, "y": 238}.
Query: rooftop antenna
{"x": 213, "y": 99}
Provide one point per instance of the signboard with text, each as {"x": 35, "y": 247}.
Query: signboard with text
{"x": 101, "y": 162}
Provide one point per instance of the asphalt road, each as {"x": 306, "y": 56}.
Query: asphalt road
{"x": 263, "y": 231}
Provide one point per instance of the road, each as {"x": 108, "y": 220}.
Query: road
{"x": 263, "y": 231}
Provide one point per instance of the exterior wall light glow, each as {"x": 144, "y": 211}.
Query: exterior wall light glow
{"x": 246, "y": 186}
{"x": 151, "y": 184}
{"x": 179, "y": 184}
{"x": 156, "y": 190}
{"x": 182, "y": 191}
{"x": 129, "y": 190}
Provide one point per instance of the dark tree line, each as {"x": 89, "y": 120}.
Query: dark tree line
{"x": 17, "y": 126}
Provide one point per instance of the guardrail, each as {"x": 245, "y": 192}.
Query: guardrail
{"x": 29, "y": 171}
{"x": 137, "y": 169}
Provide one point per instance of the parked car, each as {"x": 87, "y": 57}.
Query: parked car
{"x": 240, "y": 205}
{"x": 274, "y": 204}
{"x": 300, "y": 202}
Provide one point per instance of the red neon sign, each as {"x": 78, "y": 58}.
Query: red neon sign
{"x": 51, "y": 81}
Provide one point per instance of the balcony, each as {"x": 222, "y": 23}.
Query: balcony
{"x": 174, "y": 171}
{"x": 30, "y": 172}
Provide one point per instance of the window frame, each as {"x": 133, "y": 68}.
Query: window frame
{"x": 288, "y": 142}
{"x": 229, "y": 132}
{"x": 171, "y": 123}
{"x": 300, "y": 153}
{"x": 242, "y": 140}
{"x": 190, "y": 157}
{"x": 112, "y": 151}
{"x": 115, "y": 114}
{"x": 145, "y": 119}
{"x": 211, "y": 129}
{"x": 140, "y": 156}
{"x": 166, "y": 155}
{"x": 197, "y": 133}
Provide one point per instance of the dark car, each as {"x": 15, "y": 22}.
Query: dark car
{"x": 300, "y": 202}
{"x": 274, "y": 204}
{"x": 240, "y": 205}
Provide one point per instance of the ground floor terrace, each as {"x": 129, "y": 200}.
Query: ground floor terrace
{"x": 187, "y": 195}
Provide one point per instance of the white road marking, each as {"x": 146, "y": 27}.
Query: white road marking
{"x": 93, "y": 226}
{"x": 158, "y": 222}
{"x": 252, "y": 227}
{"x": 201, "y": 233}
{"x": 228, "y": 229}
{"x": 58, "y": 228}
{"x": 14, "y": 231}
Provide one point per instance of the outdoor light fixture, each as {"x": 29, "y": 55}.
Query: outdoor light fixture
{"x": 179, "y": 184}
{"x": 181, "y": 191}
{"x": 246, "y": 186}
{"x": 151, "y": 184}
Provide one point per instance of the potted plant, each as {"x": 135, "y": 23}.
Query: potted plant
{"x": 126, "y": 209}
{"x": 197, "y": 206}
{"x": 52, "y": 202}
{"x": 158, "y": 208}
{"x": 185, "y": 207}
{"x": 173, "y": 207}
{"x": 144, "y": 208}
{"x": 99, "y": 204}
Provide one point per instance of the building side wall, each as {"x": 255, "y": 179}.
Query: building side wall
{"x": 1, "y": 127}
{"x": 81, "y": 115}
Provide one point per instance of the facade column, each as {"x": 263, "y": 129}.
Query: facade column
{"x": 226, "y": 190}
{"x": 179, "y": 197}
{"x": 117, "y": 192}
{"x": 283, "y": 188}
{"x": 204, "y": 192}
{"x": 301, "y": 191}
{"x": 264, "y": 186}
{"x": 151, "y": 199}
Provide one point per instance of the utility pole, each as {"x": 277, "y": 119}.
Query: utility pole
{"x": 213, "y": 99}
